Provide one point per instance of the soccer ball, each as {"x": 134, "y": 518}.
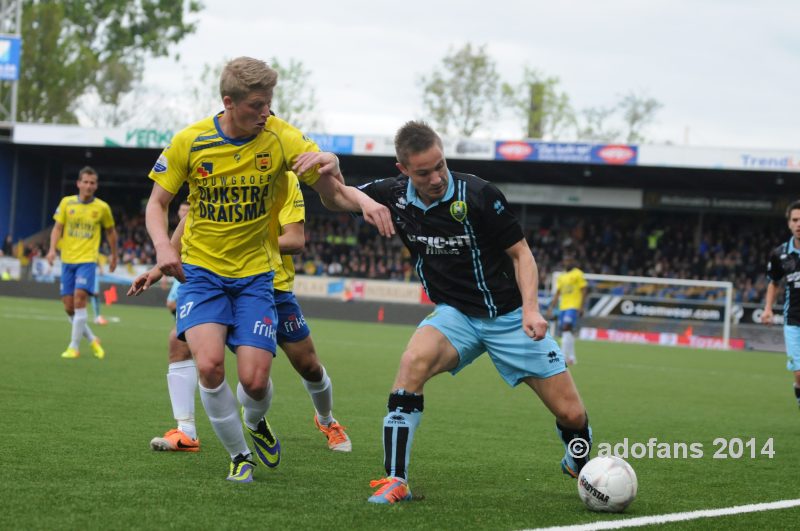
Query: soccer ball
{"x": 607, "y": 484}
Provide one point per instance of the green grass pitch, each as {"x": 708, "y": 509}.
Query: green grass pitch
{"x": 74, "y": 448}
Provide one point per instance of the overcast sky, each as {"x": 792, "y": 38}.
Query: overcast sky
{"x": 726, "y": 71}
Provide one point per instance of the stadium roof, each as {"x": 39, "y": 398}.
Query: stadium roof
{"x": 532, "y": 151}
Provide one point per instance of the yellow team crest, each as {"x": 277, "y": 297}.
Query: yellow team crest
{"x": 458, "y": 209}
{"x": 263, "y": 161}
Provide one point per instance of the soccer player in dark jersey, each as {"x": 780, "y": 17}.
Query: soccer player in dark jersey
{"x": 474, "y": 263}
{"x": 784, "y": 263}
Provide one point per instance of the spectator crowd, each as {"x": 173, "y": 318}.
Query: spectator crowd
{"x": 727, "y": 248}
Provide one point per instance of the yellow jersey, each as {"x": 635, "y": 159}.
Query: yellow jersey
{"x": 83, "y": 222}
{"x": 287, "y": 193}
{"x": 231, "y": 192}
{"x": 570, "y": 287}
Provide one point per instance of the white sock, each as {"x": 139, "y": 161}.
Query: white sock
{"x": 568, "y": 345}
{"x": 87, "y": 332}
{"x": 321, "y": 394}
{"x": 182, "y": 383}
{"x": 220, "y": 406}
{"x": 254, "y": 409}
{"x": 78, "y": 324}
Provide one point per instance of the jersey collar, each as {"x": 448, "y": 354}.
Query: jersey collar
{"x": 413, "y": 199}
{"x": 791, "y": 247}
{"x": 234, "y": 141}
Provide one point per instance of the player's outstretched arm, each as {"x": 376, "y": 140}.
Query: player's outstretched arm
{"x": 534, "y": 325}
{"x": 327, "y": 162}
{"x": 168, "y": 260}
{"x": 144, "y": 281}
{"x": 336, "y": 196}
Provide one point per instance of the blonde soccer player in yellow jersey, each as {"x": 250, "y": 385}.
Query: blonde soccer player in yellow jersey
{"x": 79, "y": 220}
{"x": 571, "y": 288}
{"x": 293, "y": 335}
{"x": 231, "y": 162}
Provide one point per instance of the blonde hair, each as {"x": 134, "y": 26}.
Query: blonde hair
{"x": 244, "y": 75}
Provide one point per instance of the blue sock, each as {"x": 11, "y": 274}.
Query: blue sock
{"x": 399, "y": 425}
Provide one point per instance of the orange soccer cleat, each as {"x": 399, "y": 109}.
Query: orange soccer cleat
{"x": 391, "y": 490}
{"x": 338, "y": 441}
{"x": 175, "y": 441}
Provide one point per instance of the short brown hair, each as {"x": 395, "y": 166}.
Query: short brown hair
{"x": 794, "y": 205}
{"x": 244, "y": 75}
{"x": 414, "y": 137}
{"x": 86, "y": 170}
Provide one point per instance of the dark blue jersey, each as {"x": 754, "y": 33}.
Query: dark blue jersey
{"x": 458, "y": 243}
{"x": 784, "y": 262}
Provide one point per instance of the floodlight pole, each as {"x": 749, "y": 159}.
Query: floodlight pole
{"x": 11, "y": 26}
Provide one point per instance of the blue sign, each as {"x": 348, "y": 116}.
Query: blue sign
{"x": 339, "y": 144}
{"x": 9, "y": 57}
{"x": 576, "y": 152}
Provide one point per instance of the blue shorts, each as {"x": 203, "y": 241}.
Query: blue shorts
{"x": 568, "y": 317}
{"x": 96, "y": 283}
{"x": 791, "y": 334}
{"x": 514, "y": 354}
{"x": 292, "y": 325}
{"x": 78, "y": 276}
{"x": 244, "y": 305}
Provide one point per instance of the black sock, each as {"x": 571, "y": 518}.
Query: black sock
{"x": 568, "y": 434}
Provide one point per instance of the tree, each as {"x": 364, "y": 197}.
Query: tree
{"x": 592, "y": 125}
{"x": 544, "y": 108}
{"x": 464, "y": 92}
{"x": 141, "y": 107}
{"x": 638, "y": 111}
{"x": 73, "y": 46}
{"x": 294, "y": 99}
{"x": 203, "y": 98}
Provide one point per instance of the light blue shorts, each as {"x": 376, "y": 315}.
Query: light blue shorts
{"x": 514, "y": 354}
{"x": 791, "y": 334}
{"x": 245, "y": 305}
{"x": 78, "y": 276}
{"x": 292, "y": 325}
{"x": 172, "y": 296}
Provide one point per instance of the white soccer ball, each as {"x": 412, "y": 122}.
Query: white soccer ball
{"x": 607, "y": 484}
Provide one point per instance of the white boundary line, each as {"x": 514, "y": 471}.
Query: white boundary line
{"x": 675, "y": 517}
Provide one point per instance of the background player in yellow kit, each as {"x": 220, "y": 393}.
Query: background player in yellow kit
{"x": 79, "y": 221}
{"x": 571, "y": 289}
